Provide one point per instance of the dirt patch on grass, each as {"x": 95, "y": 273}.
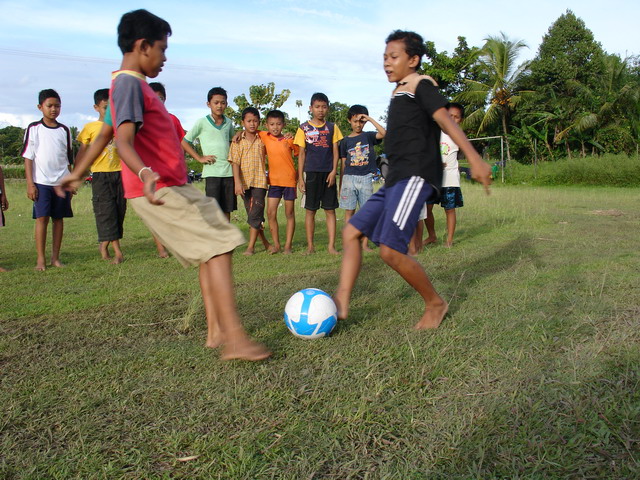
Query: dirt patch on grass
{"x": 607, "y": 213}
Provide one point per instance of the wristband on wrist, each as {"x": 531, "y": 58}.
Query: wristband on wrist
{"x": 141, "y": 170}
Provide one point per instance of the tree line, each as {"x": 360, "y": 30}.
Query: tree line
{"x": 571, "y": 99}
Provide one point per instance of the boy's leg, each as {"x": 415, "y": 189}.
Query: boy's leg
{"x": 272, "y": 216}
{"x": 251, "y": 246}
{"x": 41, "y": 242}
{"x": 290, "y": 214}
{"x": 415, "y": 246}
{"x": 214, "y": 335}
{"x": 162, "y": 252}
{"x": 430, "y": 224}
{"x": 220, "y": 295}
{"x": 331, "y": 230}
{"x": 350, "y": 268}
{"x": 58, "y": 230}
{"x": 451, "y": 225}
{"x": 310, "y": 226}
{"x": 118, "y": 257}
{"x": 413, "y": 273}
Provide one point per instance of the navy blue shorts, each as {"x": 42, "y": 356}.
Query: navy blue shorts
{"x": 390, "y": 216}
{"x": 451, "y": 197}
{"x": 51, "y": 205}
{"x": 288, "y": 193}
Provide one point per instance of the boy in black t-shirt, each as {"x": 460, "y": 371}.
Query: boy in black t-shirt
{"x": 416, "y": 114}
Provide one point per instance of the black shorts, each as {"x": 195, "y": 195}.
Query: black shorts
{"x": 222, "y": 189}
{"x": 254, "y": 203}
{"x": 109, "y": 205}
{"x": 318, "y": 193}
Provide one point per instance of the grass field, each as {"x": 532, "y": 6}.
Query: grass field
{"x": 535, "y": 372}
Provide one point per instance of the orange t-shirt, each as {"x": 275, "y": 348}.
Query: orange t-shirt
{"x": 282, "y": 172}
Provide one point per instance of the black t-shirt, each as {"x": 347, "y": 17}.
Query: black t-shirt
{"x": 412, "y": 143}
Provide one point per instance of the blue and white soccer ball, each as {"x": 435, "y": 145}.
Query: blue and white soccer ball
{"x": 310, "y": 313}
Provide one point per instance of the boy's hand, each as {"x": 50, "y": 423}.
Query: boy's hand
{"x": 32, "y": 192}
{"x": 238, "y": 190}
{"x": 363, "y": 118}
{"x": 70, "y": 183}
{"x": 481, "y": 172}
{"x": 4, "y": 202}
{"x": 301, "y": 185}
{"x": 207, "y": 159}
{"x": 331, "y": 178}
{"x": 431, "y": 79}
{"x": 236, "y": 138}
{"x": 288, "y": 136}
{"x": 149, "y": 189}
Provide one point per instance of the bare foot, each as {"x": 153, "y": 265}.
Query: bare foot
{"x": 248, "y": 252}
{"x": 448, "y": 244}
{"x": 117, "y": 260}
{"x": 273, "y": 249}
{"x": 287, "y": 251}
{"x": 214, "y": 342}
{"x": 245, "y": 350}
{"x": 433, "y": 316}
{"x": 163, "y": 254}
{"x": 343, "y": 308}
{"x": 104, "y": 252}
{"x": 3, "y": 269}
{"x": 429, "y": 240}
{"x": 309, "y": 251}
{"x": 333, "y": 251}
{"x": 57, "y": 264}
{"x": 40, "y": 268}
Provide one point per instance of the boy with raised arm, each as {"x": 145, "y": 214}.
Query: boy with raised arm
{"x": 189, "y": 224}
{"x": 47, "y": 156}
{"x": 214, "y": 132}
{"x": 358, "y": 157}
{"x": 416, "y": 114}
{"x": 109, "y": 205}
{"x": 317, "y": 169}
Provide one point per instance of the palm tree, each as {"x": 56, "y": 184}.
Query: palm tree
{"x": 498, "y": 95}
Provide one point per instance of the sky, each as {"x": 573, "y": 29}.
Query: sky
{"x": 334, "y": 46}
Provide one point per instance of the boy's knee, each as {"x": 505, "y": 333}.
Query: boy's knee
{"x": 349, "y": 232}
{"x": 389, "y": 255}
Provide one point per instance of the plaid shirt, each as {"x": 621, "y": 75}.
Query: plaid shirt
{"x": 250, "y": 156}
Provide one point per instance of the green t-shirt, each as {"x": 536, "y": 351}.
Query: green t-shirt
{"x": 214, "y": 140}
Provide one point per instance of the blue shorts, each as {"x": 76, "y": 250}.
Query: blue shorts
{"x": 51, "y": 205}
{"x": 451, "y": 197}
{"x": 356, "y": 190}
{"x": 391, "y": 214}
{"x": 288, "y": 193}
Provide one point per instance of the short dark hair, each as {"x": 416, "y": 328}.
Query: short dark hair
{"x": 275, "y": 114}
{"x": 319, "y": 97}
{"x": 159, "y": 88}
{"x": 216, "y": 91}
{"x": 413, "y": 43}
{"x": 47, "y": 93}
{"x": 141, "y": 24}
{"x": 456, "y": 105}
{"x": 100, "y": 95}
{"x": 249, "y": 110}
{"x": 357, "y": 110}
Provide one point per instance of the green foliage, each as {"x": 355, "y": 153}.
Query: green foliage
{"x": 262, "y": 97}
{"x": 452, "y": 71}
{"x": 603, "y": 171}
{"x": 13, "y": 171}
{"x": 338, "y": 115}
{"x": 11, "y": 142}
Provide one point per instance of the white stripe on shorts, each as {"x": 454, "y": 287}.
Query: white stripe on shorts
{"x": 408, "y": 201}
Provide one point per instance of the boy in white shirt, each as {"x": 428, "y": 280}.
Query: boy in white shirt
{"x": 47, "y": 155}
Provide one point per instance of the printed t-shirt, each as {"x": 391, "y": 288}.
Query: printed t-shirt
{"x": 412, "y": 143}
{"x": 214, "y": 140}
{"x": 282, "y": 171}
{"x": 359, "y": 153}
{"x": 132, "y": 100}
{"x": 449, "y": 153}
{"x": 318, "y": 140}
{"x": 108, "y": 161}
{"x": 50, "y": 150}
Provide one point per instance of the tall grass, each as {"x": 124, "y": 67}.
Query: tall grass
{"x": 606, "y": 170}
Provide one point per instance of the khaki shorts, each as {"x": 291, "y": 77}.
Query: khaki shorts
{"x": 191, "y": 225}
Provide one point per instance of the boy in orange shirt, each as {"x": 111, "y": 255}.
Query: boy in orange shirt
{"x": 283, "y": 178}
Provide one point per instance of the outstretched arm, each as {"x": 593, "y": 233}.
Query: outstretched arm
{"x": 381, "y": 130}
{"x": 480, "y": 170}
